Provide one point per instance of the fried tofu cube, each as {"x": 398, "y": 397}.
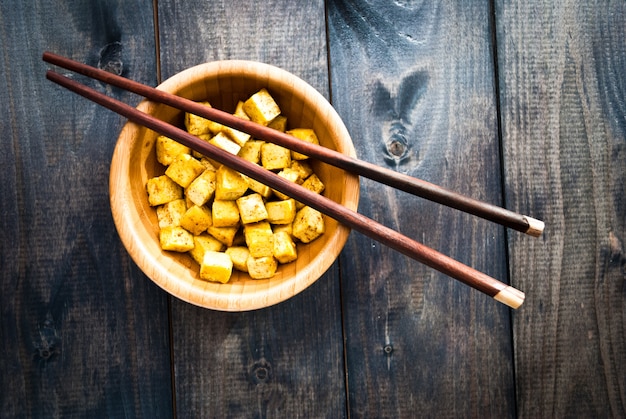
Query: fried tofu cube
{"x": 251, "y": 208}
{"x": 303, "y": 168}
{"x": 292, "y": 176}
{"x": 259, "y": 238}
{"x": 170, "y": 214}
{"x": 262, "y": 268}
{"x": 162, "y": 189}
{"x": 279, "y": 123}
{"x": 314, "y": 184}
{"x": 202, "y": 188}
{"x": 223, "y": 141}
{"x": 251, "y": 151}
{"x": 225, "y": 213}
{"x": 230, "y": 184}
{"x": 261, "y": 107}
{"x": 239, "y": 255}
{"x": 287, "y": 228}
{"x": 209, "y": 164}
{"x": 304, "y": 134}
{"x": 275, "y": 157}
{"x": 197, "y": 154}
{"x": 196, "y": 125}
{"x": 184, "y": 169}
{"x": 167, "y": 150}
{"x": 281, "y": 212}
{"x": 216, "y": 267}
{"x": 176, "y": 239}
{"x": 196, "y": 219}
{"x": 284, "y": 248}
{"x": 240, "y": 112}
{"x": 308, "y": 225}
{"x": 225, "y": 235}
{"x": 260, "y": 188}
{"x": 238, "y": 137}
{"x": 204, "y": 243}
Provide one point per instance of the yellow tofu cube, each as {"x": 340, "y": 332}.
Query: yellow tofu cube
{"x": 303, "y": 168}
{"x": 275, "y": 157}
{"x": 314, "y": 184}
{"x": 196, "y": 219}
{"x": 162, "y": 189}
{"x": 167, "y": 150}
{"x": 225, "y": 235}
{"x": 308, "y": 225}
{"x": 251, "y": 151}
{"x": 239, "y": 255}
{"x": 279, "y": 123}
{"x": 238, "y": 137}
{"x": 251, "y": 208}
{"x": 221, "y": 140}
{"x": 261, "y": 107}
{"x": 240, "y": 112}
{"x": 292, "y": 176}
{"x": 176, "y": 239}
{"x": 209, "y": 164}
{"x": 216, "y": 267}
{"x": 281, "y": 212}
{"x": 225, "y": 213}
{"x": 262, "y": 268}
{"x": 197, "y": 154}
{"x": 260, "y": 188}
{"x": 204, "y": 243}
{"x": 170, "y": 214}
{"x": 304, "y": 134}
{"x": 202, "y": 188}
{"x": 196, "y": 125}
{"x": 184, "y": 169}
{"x": 230, "y": 184}
{"x": 287, "y": 228}
{"x": 284, "y": 248}
{"x": 259, "y": 239}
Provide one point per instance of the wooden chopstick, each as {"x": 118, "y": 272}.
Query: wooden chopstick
{"x": 358, "y": 222}
{"x": 389, "y": 177}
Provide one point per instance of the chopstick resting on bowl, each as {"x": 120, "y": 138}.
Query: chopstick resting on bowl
{"x": 358, "y": 222}
{"x": 418, "y": 187}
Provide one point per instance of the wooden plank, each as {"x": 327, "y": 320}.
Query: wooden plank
{"x": 562, "y": 67}
{"x": 83, "y": 332}
{"x": 287, "y": 360}
{"x": 415, "y": 85}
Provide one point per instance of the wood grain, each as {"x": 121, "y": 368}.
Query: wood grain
{"x": 561, "y": 68}
{"x": 415, "y": 86}
{"x": 287, "y": 360}
{"x": 83, "y": 332}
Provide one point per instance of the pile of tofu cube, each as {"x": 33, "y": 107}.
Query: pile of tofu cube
{"x": 224, "y": 219}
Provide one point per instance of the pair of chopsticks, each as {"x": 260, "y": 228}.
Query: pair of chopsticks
{"x": 478, "y": 280}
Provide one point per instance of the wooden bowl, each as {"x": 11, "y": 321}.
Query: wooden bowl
{"x": 134, "y": 161}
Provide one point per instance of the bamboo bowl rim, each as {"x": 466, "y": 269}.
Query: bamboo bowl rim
{"x": 134, "y": 161}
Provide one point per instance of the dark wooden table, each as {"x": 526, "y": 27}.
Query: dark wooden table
{"x": 520, "y": 103}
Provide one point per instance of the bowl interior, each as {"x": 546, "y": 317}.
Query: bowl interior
{"x": 134, "y": 162}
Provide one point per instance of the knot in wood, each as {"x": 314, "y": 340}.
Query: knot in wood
{"x": 111, "y": 58}
{"x": 261, "y": 372}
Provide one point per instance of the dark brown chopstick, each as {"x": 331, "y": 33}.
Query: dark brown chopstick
{"x": 389, "y": 177}
{"x": 476, "y": 279}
